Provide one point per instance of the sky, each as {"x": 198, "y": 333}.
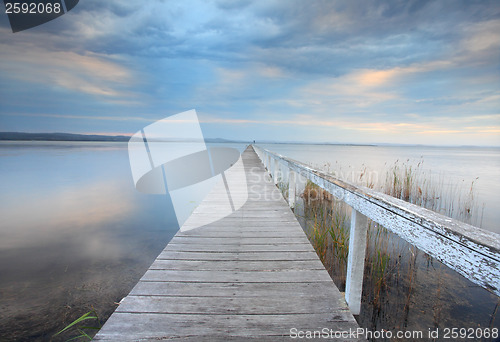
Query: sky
{"x": 383, "y": 71}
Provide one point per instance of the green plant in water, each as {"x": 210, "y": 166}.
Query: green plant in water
{"x": 283, "y": 187}
{"x": 318, "y": 235}
{"x": 380, "y": 267}
{"x": 339, "y": 234}
{"x": 91, "y": 315}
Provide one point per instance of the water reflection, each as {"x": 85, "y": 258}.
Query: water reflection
{"x": 63, "y": 211}
{"x": 75, "y": 234}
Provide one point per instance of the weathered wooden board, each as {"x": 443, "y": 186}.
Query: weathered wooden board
{"x": 189, "y": 240}
{"x": 260, "y": 225}
{"x": 240, "y": 248}
{"x": 318, "y": 290}
{"x": 251, "y": 275}
{"x": 261, "y": 233}
{"x": 203, "y": 327}
{"x": 247, "y": 256}
{"x": 215, "y": 306}
{"x": 237, "y": 265}
{"x": 238, "y": 276}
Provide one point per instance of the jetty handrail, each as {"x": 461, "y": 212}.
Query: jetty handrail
{"x": 471, "y": 251}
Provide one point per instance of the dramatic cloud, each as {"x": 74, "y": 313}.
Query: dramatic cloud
{"x": 409, "y": 72}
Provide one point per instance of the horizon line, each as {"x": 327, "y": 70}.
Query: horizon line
{"x": 226, "y": 140}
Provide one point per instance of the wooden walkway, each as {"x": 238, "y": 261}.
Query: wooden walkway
{"x": 251, "y": 275}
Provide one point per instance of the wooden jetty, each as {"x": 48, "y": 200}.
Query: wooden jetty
{"x": 250, "y": 275}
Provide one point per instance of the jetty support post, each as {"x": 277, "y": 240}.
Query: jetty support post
{"x": 276, "y": 172}
{"x": 291, "y": 188}
{"x": 356, "y": 261}
{"x": 262, "y": 156}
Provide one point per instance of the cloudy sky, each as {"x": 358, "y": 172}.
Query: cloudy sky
{"x": 419, "y": 71}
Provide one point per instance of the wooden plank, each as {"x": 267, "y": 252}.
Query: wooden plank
{"x": 255, "y": 214}
{"x": 241, "y": 248}
{"x": 242, "y": 265}
{"x": 252, "y": 225}
{"x": 270, "y": 210}
{"x": 238, "y": 276}
{"x": 268, "y": 220}
{"x": 230, "y": 305}
{"x": 197, "y": 240}
{"x": 248, "y": 256}
{"x": 210, "y": 289}
{"x": 263, "y": 234}
{"x": 146, "y": 326}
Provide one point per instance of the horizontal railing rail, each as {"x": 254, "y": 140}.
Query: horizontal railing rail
{"x": 471, "y": 251}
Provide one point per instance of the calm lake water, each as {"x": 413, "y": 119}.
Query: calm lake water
{"x": 452, "y": 169}
{"x": 76, "y": 235}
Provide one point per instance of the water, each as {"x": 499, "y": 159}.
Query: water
{"x": 450, "y": 168}
{"x": 76, "y": 235}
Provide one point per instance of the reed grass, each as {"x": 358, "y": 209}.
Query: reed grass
{"x": 391, "y": 266}
{"x": 81, "y": 330}
{"x": 328, "y": 228}
{"x": 283, "y": 187}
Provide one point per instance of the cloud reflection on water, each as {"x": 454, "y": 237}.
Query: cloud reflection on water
{"x": 37, "y": 218}
{"x": 74, "y": 233}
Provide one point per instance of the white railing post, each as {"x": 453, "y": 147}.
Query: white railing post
{"x": 291, "y": 188}
{"x": 356, "y": 261}
{"x": 300, "y": 183}
{"x": 276, "y": 171}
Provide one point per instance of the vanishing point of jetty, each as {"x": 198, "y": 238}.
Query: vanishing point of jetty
{"x": 252, "y": 274}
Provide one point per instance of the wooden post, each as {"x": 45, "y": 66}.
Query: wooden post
{"x": 291, "y": 188}
{"x": 300, "y": 183}
{"x": 276, "y": 171}
{"x": 356, "y": 261}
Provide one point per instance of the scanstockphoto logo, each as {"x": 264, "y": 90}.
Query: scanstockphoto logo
{"x": 170, "y": 156}
{"x": 25, "y": 14}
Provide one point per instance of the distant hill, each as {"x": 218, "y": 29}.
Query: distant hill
{"x": 220, "y": 140}
{"x": 20, "y": 136}
{"x": 60, "y": 137}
